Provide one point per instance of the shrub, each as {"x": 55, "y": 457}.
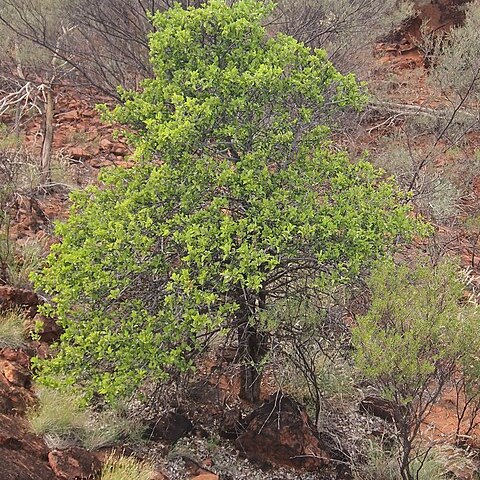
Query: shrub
{"x": 126, "y": 468}
{"x": 249, "y": 202}
{"x": 410, "y": 342}
{"x": 25, "y": 259}
{"x": 12, "y": 329}
{"x": 455, "y": 59}
{"x": 382, "y": 464}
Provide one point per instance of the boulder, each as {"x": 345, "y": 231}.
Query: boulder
{"x": 79, "y": 153}
{"x": 14, "y": 401}
{"x": 16, "y": 355}
{"x": 206, "y": 476}
{"x": 379, "y": 407}
{"x": 23, "y": 455}
{"x": 46, "y": 328}
{"x": 74, "y": 463}
{"x": 280, "y": 433}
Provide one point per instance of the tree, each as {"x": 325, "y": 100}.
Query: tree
{"x": 414, "y": 341}
{"x": 36, "y": 34}
{"x": 342, "y": 27}
{"x": 237, "y": 200}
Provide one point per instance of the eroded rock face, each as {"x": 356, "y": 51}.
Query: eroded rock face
{"x": 15, "y": 380}
{"x": 23, "y": 455}
{"x": 74, "y": 464}
{"x": 280, "y": 433}
{"x": 11, "y": 297}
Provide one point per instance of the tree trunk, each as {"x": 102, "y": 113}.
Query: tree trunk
{"x": 47, "y": 144}
{"x": 251, "y": 347}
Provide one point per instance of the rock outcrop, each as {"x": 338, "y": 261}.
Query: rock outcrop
{"x": 280, "y": 433}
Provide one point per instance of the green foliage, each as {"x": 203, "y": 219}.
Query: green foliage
{"x": 414, "y": 329}
{"x": 126, "y": 468}
{"x": 11, "y": 329}
{"x": 237, "y": 196}
{"x": 412, "y": 341}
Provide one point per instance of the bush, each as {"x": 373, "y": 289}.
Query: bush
{"x": 250, "y": 201}
{"x": 108, "y": 428}
{"x": 126, "y": 468}
{"x": 455, "y": 59}
{"x": 412, "y": 339}
{"x": 12, "y": 329}
{"x": 382, "y": 464}
{"x": 342, "y": 27}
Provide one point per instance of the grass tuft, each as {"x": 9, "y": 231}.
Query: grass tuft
{"x": 126, "y": 468}
{"x": 58, "y": 417}
{"x": 62, "y": 420}
{"x": 11, "y": 329}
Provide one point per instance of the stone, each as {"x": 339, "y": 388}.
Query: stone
{"x": 68, "y": 116}
{"x": 15, "y": 374}
{"x": 47, "y": 328}
{"x": 74, "y": 463}
{"x": 280, "y": 433}
{"x": 105, "y": 144}
{"x": 14, "y": 401}
{"x": 206, "y": 476}
{"x": 16, "y": 355}
{"x": 379, "y": 407}
{"x": 119, "y": 150}
{"x": 23, "y": 455}
{"x": 78, "y": 153}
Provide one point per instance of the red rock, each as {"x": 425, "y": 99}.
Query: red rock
{"x": 171, "y": 427}
{"x": 73, "y": 463}
{"x": 206, "y": 476}
{"x": 15, "y": 374}
{"x": 16, "y": 355}
{"x": 14, "y": 401}
{"x": 78, "y": 153}
{"x": 159, "y": 476}
{"x": 105, "y": 144}
{"x": 68, "y": 116}
{"x": 280, "y": 433}
{"x": 89, "y": 113}
{"x": 119, "y": 151}
{"x": 11, "y": 297}
{"x": 23, "y": 455}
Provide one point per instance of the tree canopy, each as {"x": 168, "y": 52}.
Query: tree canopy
{"x": 237, "y": 199}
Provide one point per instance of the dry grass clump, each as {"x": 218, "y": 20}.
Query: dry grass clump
{"x": 58, "y": 417}
{"x": 11, "y": 329}
{"x": 63, "y": 421}
{"x": 126, "y": 468}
